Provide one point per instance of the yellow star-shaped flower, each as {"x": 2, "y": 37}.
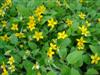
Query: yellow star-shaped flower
{"x": 69, "y": 22}
{"x": 14, "y": 27}
{"x": 80, "y": 43}
{"x": 38, "y": 35}
{"x": 62, "y": 35}
{"x": 11, "y": 60}
{"x": 84, "y": 30}
{"x": 50, "y": 53}
{"x": 95, "y": 58}
{"x": 52, "y": 23}
{"x": 82, "y": 15}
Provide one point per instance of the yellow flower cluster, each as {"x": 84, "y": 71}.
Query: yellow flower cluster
{"x": 11, "y": 67}
{"x": 52, "y": 23}
{"x": 31, "y": 23}
{"x": 51, "y": 52}
{"x": 11, "y": 62}
{"x": 95, "y": 58}
{"x": 5, "y": 6}
{"x": 80, "y": 43}
{"x": 39, "y": 11}
{"x": 5, "y": 72}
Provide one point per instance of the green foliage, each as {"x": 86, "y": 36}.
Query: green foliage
{"x": 45, "y": 38}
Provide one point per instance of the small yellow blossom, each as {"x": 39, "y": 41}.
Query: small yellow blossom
{"x": 11, "y": 60}
{"x": 5, "y": 72}
{"x": 12, "y": 68}
{"x": 31, "y": 23}
{"x": 40, "y": 10}
{"x": 80, "y": 43}
{"x": 4, "y": 23}
{"x": 3, "y": 65}
{"x": 69, "y": 22}
{"x": 52, "y": 23}
{"x": 82, "y": 15}
{"x": 38, "y": 35}
{"x": 62, "y": 35}
{"x": 14, "y": 27}
{"x": 20, "y": 35}
{"x": 84, "y": 30}
{"x": 95, "y": 58}
{"x": 5, "y": 37}
{"x": 36, "y": 66}
{"x": 53, "y": 46}
{"x": 50, "y": 53}
{"x": 40, "y": 17}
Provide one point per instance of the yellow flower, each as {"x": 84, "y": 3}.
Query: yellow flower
{"x": 53, "y": 46}
{"x": 4, "y": 23}
{"x": 3, "y": 65}
{"x": 95, "y": 58}
{"x": 84, "y": 30}
{"x": 2, "y": 13}
{"x": 50, "y": 53}
{"x": 69, "y": 22}
{"x": 5, "y": 37}
{"x": 82, "y": 15}
{"x": 38, "y": 35}
{"x": 14, "y": 27}
{"x": 5, "y": 72}
{"x": 62, "y": 35}
{"x": 11, "y": 60}
{"x": 52, "y": 23}
{"x": 31, "y": 23}
{"x": 20, "y": 35}
{"x": 40, "y": 17}
{"x": 40, "y": 10}
{"x": 80, "y": 43}
{"x": 12, "y": 68}
{"x": 36, "y": 66}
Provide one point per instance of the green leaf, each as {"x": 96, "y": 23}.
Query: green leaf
{"x": 86, "y": 59}
{"x": 91, "y": 71}
{"x": 64, "y": 43}
{"x": 13, "y": 39}
{"x": 51, "y": 73}
{"x": 95, "y": 49}
{"x": 75, "y": 58}
{"x": 65, "y": 70}
{"x": 32, "y": 45}
{"x": 28, "y": 66}
{"x": 62, "y": 52}
{"x": 74, "y": 72}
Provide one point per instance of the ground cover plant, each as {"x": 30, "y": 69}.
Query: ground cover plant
{"x": 49, "y": 37}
